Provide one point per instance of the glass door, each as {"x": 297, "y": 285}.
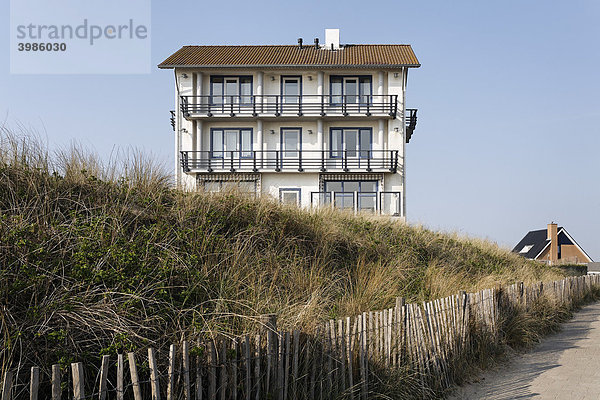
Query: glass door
{"x": 246, "y": 90}
{"x": 291, "y": 90}
{"x": 232, "y": 92}
{"x": 290, "y": 147}
{"x": 351, "y": 90}
{"x": 290, "y": 142}
{"x": 336, "y": 90}
{"x": 365, "y": 91}
{"x": 350, "y": 142}
{"x": 231, "y": 143}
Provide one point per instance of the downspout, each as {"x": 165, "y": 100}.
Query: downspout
{"x": 177, "y": 134}
{"x": 404, "y": 81}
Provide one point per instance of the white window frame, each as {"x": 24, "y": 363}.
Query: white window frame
{"x": 298, "y": 191}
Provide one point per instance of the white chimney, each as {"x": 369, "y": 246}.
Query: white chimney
{"x": 332, "y": 39}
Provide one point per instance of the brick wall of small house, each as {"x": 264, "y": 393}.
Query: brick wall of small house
{"x": 545, "y": 256}
{"x": 569, "y": 254}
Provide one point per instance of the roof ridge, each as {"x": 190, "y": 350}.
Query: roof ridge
{"x": 305, "y": 46}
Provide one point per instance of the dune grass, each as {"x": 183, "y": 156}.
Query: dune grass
{"x": 99, "y": 257}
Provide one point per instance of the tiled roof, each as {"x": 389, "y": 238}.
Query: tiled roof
{"x": 359, "y": 56}
{"x": 536, "y": 239}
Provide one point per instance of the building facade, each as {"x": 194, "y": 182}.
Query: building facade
{"x": 319, "y": 125}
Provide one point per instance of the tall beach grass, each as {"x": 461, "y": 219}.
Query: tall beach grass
{"x": 98, "y": 257}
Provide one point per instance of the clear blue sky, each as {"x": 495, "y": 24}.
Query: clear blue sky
{"x": 508, "y": 97}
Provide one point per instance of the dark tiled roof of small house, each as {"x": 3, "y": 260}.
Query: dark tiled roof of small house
{"x": 532, "y": 244}
{"x": 288, "y": 56}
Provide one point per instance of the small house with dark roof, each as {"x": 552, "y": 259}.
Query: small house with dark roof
{"x": 553, "y": 245}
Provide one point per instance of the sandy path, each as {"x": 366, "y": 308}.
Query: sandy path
{"x": 565, "y": 365}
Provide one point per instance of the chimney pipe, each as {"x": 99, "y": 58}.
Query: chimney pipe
{"x": 316, "y": 43}
{"x": 553, "y": 238}
{"x": 300, "y": 42}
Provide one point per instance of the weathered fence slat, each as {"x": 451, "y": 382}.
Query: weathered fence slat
{"x": 102, "y": 388}
{"x": 212, "y": 371}
{"x": 198, "y": 375}
{"x": 78, "y": 381}
{"x": 257, "y": 380}
{"x": 186, "y": 370}
{"x": 332, "y": 347}
{"x": 363, "y": 356}
{"x": 341, "y": 354}
{"x": 7, "y": 383}
{"x": 295, "y": 361}
{"x": 171, "y": 373}
{"x": 154, "y": 384}
{"x": 280, "y": 365}
{"x": 286, "y": 373}
{"x": 135, "y": 381}
{"x": 223, "y": 369}
{"x": 120, "y": 378}
{"x": 312, "y": 352}
{"x": 56, "y": 389}
{"x": 247, "y": 368}
{"x": 349, "y": 341}
{"x": 234, "y": 369}
{"x": 34, "y": 383}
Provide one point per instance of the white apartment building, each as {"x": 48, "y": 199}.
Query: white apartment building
{"x": 314, "y": 125}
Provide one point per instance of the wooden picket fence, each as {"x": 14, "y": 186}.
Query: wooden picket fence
{"x": 340, "y": 359}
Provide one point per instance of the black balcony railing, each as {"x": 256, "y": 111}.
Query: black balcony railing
{"x": 411, "y": 122}
{"x": 286, "y": 105}
{"x": 290, "y": 161}
{"x": 172, "y": 119}
{"x": 387, "y": 203}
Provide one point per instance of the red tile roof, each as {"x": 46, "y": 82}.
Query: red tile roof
{"x": 358, "y": 56}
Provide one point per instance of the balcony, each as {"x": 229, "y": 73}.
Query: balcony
{"x": 290, "y": 161}
{"x": 172, "y": 119}
{"x": 411, "y": 122}
{"x": 383, "y": 203}
{"x": 379, "y": 106}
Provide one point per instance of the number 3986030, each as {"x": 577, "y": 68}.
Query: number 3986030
{"x": 42, "y": 46}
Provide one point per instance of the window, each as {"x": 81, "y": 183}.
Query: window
{"x": 390, "y": 203}
{"x": 242, "y": 186}
{"x": 351, "y": 186}
{"x": 231, "y": 89}
{"x": 289, "y": 196}
{"x": 291, "y": 89}
{"x": 351, "y": 142}
{"x": 343, "y": 194}
{"x": 291, "y": 142}
{"x": 225, "y": 143}
{"x": 526, "y": 249}
{"x": 350, "y": 89}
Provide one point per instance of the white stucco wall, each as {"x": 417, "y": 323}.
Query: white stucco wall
{"x": 306, "y": 182}
{"x": 195, "y": 135}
